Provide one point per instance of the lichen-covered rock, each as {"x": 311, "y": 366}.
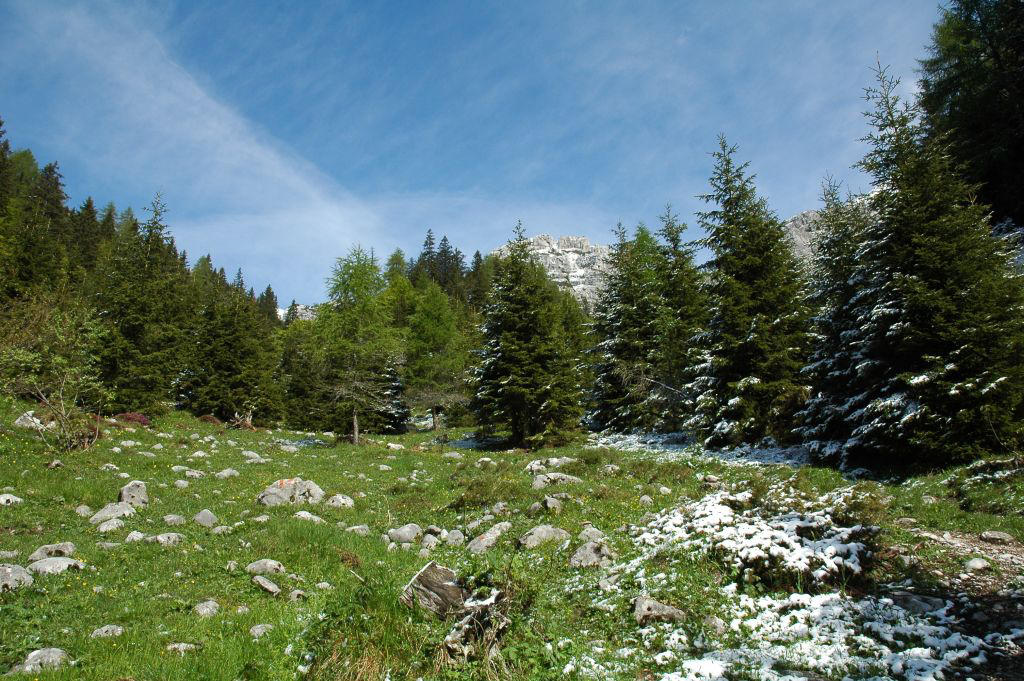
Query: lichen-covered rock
{"x": 120, "y": 509}
{"x": 134, "y": 493}
{"x": 291, "y": 491}
{"x": 488, "y": 538}
{"x": 542, "y": 534}
{"x": 647, "y": 610}
{"x": 13, "y": 577}
{"x": 55, "y": 566}
{"x": 51, "y": 550}
{"x": 592, "y": 554}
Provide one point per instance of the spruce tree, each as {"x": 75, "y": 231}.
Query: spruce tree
{"x": 745, "y": 386}
{"x": 526, "y": 380}
{"x": 941, "y": 332}
{"x": 435, "y": 357}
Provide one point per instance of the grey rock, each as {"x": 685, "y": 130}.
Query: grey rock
{"x": 541, "y": 465}
{"x": 430, "y": 541}
{"x": 296, "y": 595}
{"x": 174, "y": 519}
{"x": 221, "y": 529}
{"x": 264, "y": 566}
{"x": 646, "y": 501}
{"x": 56, "y": 463}
{"x": 291, "y": 491}
{"x": 977, "y": 564}
{"x": 226, "y": 473}
{"x": 107, "y": 631}
{"x": 340, "y": 501}
{"x": 181, "y": 484}
{"x": 111, "y": 525}
{"x": 134, "y": 493}
{"x": 83, "y": 511}
{"x": 38, "y": 660}
{"x": 542, "y": 534}
{"x": 50, "y": 550}
{"x": 9, "y": 500}
{"x": 206, "y": 518}
{"x": 259, "y": 630}
{"x": 590, "y": 533}
{"x": 306, "y": 515}
{"x": 547, "y": 479}
{"x": 181, "y": 648}
{"x": 361, "y": 530}
{"x": 996, "y": 537}
{"x": 573, "y": 262}
{"x": 715, "y": 625}
{"x": 13, "y": 577}
{"x": 592, "y": 554}
{"x": 455, "y": 538}
{"x": 916, "y": 603}
{"x": 267, "y": 585}
{"x": 119, "y": 509}
{"x": 455, "y": 456}
{"x": 108, "y": 545}
{"x": 489, "y": 538}
{"x": 55, "y": 566}
{"x": 550, "y": 504}
{"x": 134, "y": 536}
{"x": 261, "y": 519}
{"x": 408, "y": 533}
{"x": 207, "y": 608}
{"x": 647, "y": 610}
{"x": 166, "y": 539}
{"x": 9, "y": 554}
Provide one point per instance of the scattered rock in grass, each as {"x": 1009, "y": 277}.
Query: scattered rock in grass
{"x": 548, "y": 504}
{"x": 541, "y": 465}
{"x": 166, "y": 539}
{"x": 51, "y": 550}
{"x": 325, "y": 586}
{"x": 647, "y": 610}
{"x": 489, "y": 538}
{"x": 109, "y": 467}
{"x": 174, "y": 519}
{"x": 134, "y": 493}
{"x": 56, "y": 463}
{"x": 406, "y": 534}
{"x": 916, "y": 603}
{"x": 226, "y": 473}
{"x": 306, "y": 515}
{"x": 181, "y": 648}
{"x": 485, "y": 462}
{"x": 906, "y": 522}
{"x": 118, "y": 509}
{"x": 9, "y": 500}
{"x": 291, "y": 491}
{"x": 430, "y": 541}
{"x": 258, "y": 630}
{"x": 84, "y": 511}
{"x": 181, "y": 484}
{"x": 194, "y": 474}
{"x": 38, "y": 660}
{"x": 108, "y": 545}
{"x": 296, "y": 595}
{"x": 394, "y": 446}
{"x": 542, "y": 534}
{"x": 455, "y": 538}
{"x": 207, "y": 608}
{"x": 977, "y": 564}
{"x": 264, "y": 566}
{"x": 111, "y": 525}
{"x": 455, "y": 456}
{"x": 221, "y": 529}
{"x": 29, "y": 421}
{"x": 107, "y": 631}
{"x": 996, "y": 537}
{"x": 361, "y": 530}
{"x": 610, "y": 469}
{"x": 592, "y": 554}
{"x": 501, "y": 508}
{"x": 340, "y": 501}
{"x": 261, "y": 519}
{"x": 13, "y": 577}
{"x": 646, "y": 501}
{"x": 134, "y": 536}
{"x": 267, "y": 585}
{"x": 55, "y": 566}
{"x": 590, "y": 533}
{"x": 289, "y": 449}
{"x": 547, "y": 479}
{"x": 9, "y": 554}
{"x": 206, "y": 518}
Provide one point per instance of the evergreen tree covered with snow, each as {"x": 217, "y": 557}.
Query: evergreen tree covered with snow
{"x": 526, "y": 380}
{"x": 940, "y": 375}
{"x": 837, "y": 291}
{"x": 627, "y": 322}
{"x": 746, "y": 385}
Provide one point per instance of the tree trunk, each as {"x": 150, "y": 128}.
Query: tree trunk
{"x": 433, "y": 414}
{"x": 355, "y": 426}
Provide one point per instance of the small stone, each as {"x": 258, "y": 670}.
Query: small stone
{"x": 181, "y": 484}
{"x": 590, "y": 533}
{"x": 13, "y": 577}
{"x": 394, "y": 446}
{"x": 647, "y": 610}
{"x": 107, "y": 631}
{"x": 267, "y": 585}
{"x": 181, "y": 648}
{"x": 51, "y": 550}
{"x": 174, "y": 519}
{"x": 111, "y": 525}
{"x": 261, "y": 519}
{"x": 542, "y": 534}
{"x": 9, "y": 500}
{"x": 83, "y": 511}
{"x": 231, "y": 566}
{"x": 296, "y": 595}
{"x": 226, "y": 473}
{"x": 55, "y": 566}
{"x": 592, "y": 554}
{"x": 134, "y": 536}
{"x": 119, "y": 509}
{"x": 166, "y": 539}
{"x": 455, "y": 456}
{"x": 455, "y": 538}
{"x": 38, "y": 660}
{"x": 259, "y": 630}
{"x": 291, "y": 491}
{"x": 207, "y": 608}
{"x": 996, "y": 537}
{"x": 206, "y": 518}
{"x": 221, "y": 529}
{"x": 340, "y": 501}
{"x": 405, "y": 534}
{"x": 134, "y": 493}
{"x": 716, "y": 625}
{"x": 264, "y": 566}
{"x": 547, "y": 479}
{"x": 977, "y": 564}
{"x": 306, "y": 515}
{"x": 361, "y": 530}
{"x": 430, "y": 541}
{"x": 646, "y": 501}
{"x": 56, "y": 463}
{"x": 489, "y": 538}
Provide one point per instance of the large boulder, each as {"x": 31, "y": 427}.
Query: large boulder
{"x": 54, "y": 566}
{"x": 38, "y": 660}
{"x": 13, "y": 577}
{"x": 50, "y": 550}
{"x": 291, "y": 491}
{"x": 134, "y": 493}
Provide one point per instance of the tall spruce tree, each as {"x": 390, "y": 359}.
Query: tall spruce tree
{"x": 941, "y": 334}
{"x": 526, "y": 380}
{"x": 435, "y": 357}
{"x": 746, "y": 385}
{"x": 837, "y": 293}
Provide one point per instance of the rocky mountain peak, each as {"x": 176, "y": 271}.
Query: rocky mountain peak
{"x": 573, "y": 262}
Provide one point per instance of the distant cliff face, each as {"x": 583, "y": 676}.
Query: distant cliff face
{"x": 800, "y": 228}
{"x": 574, "y": 263}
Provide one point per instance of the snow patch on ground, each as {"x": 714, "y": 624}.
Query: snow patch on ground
{"x": 680, "y": 447}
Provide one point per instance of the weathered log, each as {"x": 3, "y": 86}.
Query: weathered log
{"x": 436, "y": 589}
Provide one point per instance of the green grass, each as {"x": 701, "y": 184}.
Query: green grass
{"x": 357, "y": 629}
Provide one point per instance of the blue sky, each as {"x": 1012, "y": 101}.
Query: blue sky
{"x": 280, "y": 135}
